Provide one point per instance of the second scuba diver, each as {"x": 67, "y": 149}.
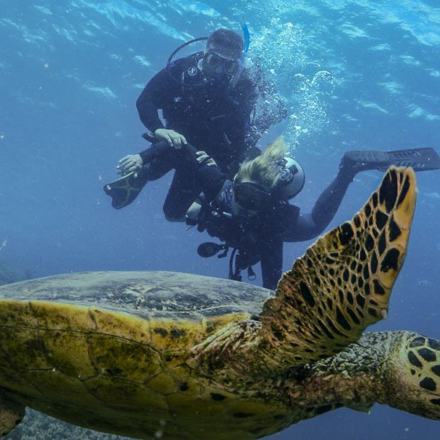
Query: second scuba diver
{"x": 206, "y": 99}
{"x": 251, "y": 214}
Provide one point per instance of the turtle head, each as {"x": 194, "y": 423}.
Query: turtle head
{"x": 412, "y": 376}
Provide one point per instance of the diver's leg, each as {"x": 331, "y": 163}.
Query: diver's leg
{"x": 160, "y": 166}
{"x": 183, "y": 191}
{"x": 271, "y": 263}
{"x": 124, "y": 190}
{"x": 330, "y": 199}
{"x": 310, "y": 225}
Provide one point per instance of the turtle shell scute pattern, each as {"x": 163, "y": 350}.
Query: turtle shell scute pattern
{"x": 147, "y": 294}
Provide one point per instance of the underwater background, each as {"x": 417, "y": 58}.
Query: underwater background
{"x": 356, "y": 75}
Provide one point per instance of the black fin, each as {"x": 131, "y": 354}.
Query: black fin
{"x": 420, "y": 159}
{"x": 125, "y": 190}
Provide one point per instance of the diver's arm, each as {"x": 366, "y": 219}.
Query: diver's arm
{"x": 152, "y": 98}
{"x": 310, "y": 225}
{"x": 211, "y": 179}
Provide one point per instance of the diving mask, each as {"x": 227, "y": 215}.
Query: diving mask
{"x": 252, "y": 196}
{"x": 214, "y": 64}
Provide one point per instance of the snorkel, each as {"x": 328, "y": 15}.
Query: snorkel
{"x": 246, "y": 38}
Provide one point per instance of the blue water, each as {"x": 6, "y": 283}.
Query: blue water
{"x": 356, "y": 75}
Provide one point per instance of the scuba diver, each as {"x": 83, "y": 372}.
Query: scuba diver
{"x": 205, "y": 99}
{"x": 251, "y": 214}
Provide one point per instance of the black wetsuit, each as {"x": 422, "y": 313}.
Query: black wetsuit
{"x": 212, "y": 115}
{"x": 260, "y": 238}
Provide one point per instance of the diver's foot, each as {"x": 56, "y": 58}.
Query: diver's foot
{"x": 420, "y": 159}
{"x": 125, "y": 190}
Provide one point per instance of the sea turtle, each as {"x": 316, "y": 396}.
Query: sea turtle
{"x": 179, "y": 356}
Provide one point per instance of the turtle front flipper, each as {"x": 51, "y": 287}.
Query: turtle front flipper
{"x": 411, "y": 374}
{"x": 343, "y": 282}
{"x": 11, "y": 414}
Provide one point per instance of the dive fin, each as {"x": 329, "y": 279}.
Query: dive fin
{"x": 420, "y": 159}
{"x": 125, "y": 190}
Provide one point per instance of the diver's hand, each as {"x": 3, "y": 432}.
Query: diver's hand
{"x": 129, "y": 164}
{"x": 204, "y": 159}
{"x": 173, "y": 138}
